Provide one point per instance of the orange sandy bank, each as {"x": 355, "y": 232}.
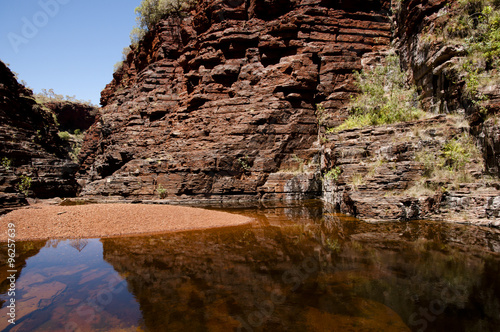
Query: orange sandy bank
{"x": 104, "y": 220}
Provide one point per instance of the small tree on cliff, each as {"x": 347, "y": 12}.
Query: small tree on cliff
{"x": 150, "y": 12}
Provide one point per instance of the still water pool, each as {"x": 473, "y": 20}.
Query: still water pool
{"x": 297, "y": 268}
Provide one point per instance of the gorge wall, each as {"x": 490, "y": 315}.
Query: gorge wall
{"x": 222, "y": 104}
{"x": 391, "y": 172}
{"x": 30, "y": 148}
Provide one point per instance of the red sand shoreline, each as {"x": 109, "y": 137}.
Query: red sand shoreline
{"x": 40, "y": 221}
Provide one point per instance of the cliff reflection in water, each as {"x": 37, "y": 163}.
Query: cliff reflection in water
{"x": 305, "y": 269}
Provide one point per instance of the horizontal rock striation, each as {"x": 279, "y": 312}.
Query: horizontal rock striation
{"x": 384, "y": 175}
{"x": 434, "y": 65}
{"x": 29, "y": 147}
{"x": 73, "y": 115}
{"x": 223, "y": 104}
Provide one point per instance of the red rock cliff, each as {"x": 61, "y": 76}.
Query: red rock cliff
{"x": 29, "y": 147}
{"x": 223, "y": 103}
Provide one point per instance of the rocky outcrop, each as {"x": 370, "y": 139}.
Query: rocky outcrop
{"x": 429, "y": 63}
{"x": 490, "y": 141}
{"x": 433, "y": 61}
{"x": 223, "y": 104}
{"x": 434, "y": 65}
{"x": 30, "y": 148}
{"x": 385, "y": 175}
{"x": 73, "y": 116}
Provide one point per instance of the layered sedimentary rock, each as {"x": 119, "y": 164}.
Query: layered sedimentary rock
{"x": 384, "y": 175}
{"x": 73, "y": 115}
{"x": 30, "y": 148}
{"x": 223, "y": 103}
{"x": 434, "y": 64}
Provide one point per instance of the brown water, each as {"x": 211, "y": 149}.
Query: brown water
{"x": 298, "y": 268}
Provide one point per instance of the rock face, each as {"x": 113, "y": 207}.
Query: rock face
{"x": 432, "y": 65}
{"x": 223, "y": 104}
{"x": 72, "y": 116}
{"x": 29, "y": 147}
{"x": 384, "y": 175}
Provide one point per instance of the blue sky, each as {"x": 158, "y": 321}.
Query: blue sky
{"x": 70, "y": 46}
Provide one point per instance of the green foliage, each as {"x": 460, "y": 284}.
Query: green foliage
{"x": 384, "y": 98}
{"x": 64, "y": 135}
{"x": 475, "y": 24}
{"x": 73, "y": 143}
{"x": 333, "y": 174}
{"x": 150, "y": 12}
{"x": 126, "y": 50}
{"x": 452, "y": 165}
{"x": 6, "y": 163}
{"x": 244, "y": 164}
{"x": 24, "y": 184}
{"x": 118, "y": 66}
{"x": 333, "y": 245}
{"x": 75, "y": 151}
{"x": 458, "y": 152}
{"x": 320, "y": 113}
{"x": 161, "y": 191}
{"x": 47, "y": 96}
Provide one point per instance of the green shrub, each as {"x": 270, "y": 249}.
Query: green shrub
{"x": 244, "y": 164}
{"x": 75, "y": 151}
{"x": 475, "y": 24}
{"x": 150, "y": 12}
{"x": 384, "y": 97}
{"x": 50, "y": 96}
{"x": 333, "y": 174}
{"x": 161, "y": 191}
{"x": 334, "y": 245}
{"x": 6, "y": 163}
{"x": 458, "y": 152}
{"x": 64, "y": 135}
{"x": 24, "y": 184}
{"x": 452, "y": 165}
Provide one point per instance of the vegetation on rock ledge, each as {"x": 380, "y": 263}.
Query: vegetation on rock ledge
{"x": 150, "y": 12}
{"x": 475, "y": 25}
{"x": 385, "y": 97}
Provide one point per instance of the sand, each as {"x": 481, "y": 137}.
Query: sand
{"x": 39, "y": 222}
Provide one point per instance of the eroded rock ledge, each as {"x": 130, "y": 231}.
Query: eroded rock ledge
{"x": 383, "y": 179}
{"x": 222, "y": 105}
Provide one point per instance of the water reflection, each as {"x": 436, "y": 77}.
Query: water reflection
{"x": 300, "y": 268}
{"x": 66, "y": 286}
{"x": 304, "y": 269}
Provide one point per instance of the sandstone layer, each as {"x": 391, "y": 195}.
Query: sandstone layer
{"x": 72, "y": 116}
{"x": 434, "y": 65}
{"x": 383, "y": 175}
{"x": 222, "y": 105}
